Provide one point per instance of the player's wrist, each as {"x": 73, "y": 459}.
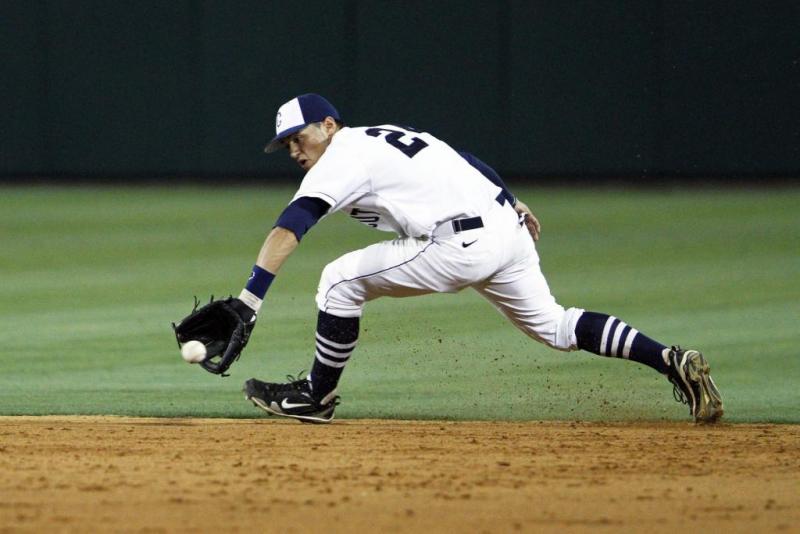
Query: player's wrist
{"x": 256, "y": 288}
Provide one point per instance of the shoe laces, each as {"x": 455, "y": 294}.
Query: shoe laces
{"x": 295, "y": 383}
{"x": 677, "y": 392}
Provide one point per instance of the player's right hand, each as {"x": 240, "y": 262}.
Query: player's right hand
{"x": 531, "y": 222}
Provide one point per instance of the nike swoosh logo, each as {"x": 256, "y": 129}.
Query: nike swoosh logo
{"x": 465, "y": 245}
{"x": 289, "y": 405}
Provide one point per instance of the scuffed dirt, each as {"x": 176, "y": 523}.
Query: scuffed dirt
{"x": 84, "y": 474}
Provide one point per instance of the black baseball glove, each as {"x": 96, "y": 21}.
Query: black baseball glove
{"x": 223, "y": 326}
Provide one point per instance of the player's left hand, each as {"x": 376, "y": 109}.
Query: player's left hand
{"x": 223, "y": 326}
{"x": 531, "y": 222}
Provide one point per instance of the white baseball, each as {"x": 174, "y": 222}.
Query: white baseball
{"x": 193, "y": 351}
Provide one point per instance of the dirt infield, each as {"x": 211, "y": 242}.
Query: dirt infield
{"x": 79, "y": 474}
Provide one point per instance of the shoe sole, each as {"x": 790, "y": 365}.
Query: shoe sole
{"x": 258, "y": 403}
{"x": 697, "y": 370}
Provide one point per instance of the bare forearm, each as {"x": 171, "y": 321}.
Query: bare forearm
{"x": 295, "y": 221}
{"x": 278, "y": 246}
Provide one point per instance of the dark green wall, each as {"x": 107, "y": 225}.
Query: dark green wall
{"x": 548, "y": 88}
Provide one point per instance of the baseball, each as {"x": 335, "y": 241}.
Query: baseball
{"x": 193, "y": 351}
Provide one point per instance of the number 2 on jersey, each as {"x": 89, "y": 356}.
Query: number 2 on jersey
{"x": 393, "y": 138}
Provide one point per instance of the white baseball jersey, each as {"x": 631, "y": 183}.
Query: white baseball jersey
{"x": 399, "y": 180}
{"x": 409, "y": 182}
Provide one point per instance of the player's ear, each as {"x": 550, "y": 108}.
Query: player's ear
{"x": 329, "y": 125}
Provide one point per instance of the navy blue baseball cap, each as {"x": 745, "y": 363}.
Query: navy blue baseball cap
{"x": 298, "y": 113}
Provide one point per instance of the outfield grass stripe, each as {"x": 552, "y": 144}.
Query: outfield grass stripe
{"x": 91, "y": 278}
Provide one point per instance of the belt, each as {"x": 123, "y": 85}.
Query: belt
{"x": 456, "y": 226}
{"x": 462, "y": 225}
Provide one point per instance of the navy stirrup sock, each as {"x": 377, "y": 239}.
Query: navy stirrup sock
{"x": 608, "y": 336}
{"x": 335, "y": 340}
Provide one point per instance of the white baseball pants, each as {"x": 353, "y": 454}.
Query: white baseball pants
{"x": 499, "y": 260}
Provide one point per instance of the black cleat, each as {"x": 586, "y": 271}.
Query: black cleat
{"x": 693, "y": 385}
{"x": 293, "y": 399}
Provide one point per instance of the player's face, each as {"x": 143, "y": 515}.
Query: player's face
{"x": 310, "y": 143}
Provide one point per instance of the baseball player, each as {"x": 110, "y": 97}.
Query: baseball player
{"x": 457, "y": 225}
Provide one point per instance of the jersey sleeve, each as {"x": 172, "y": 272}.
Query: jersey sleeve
{"x": 302, "y": 214}
{"x": 337, "y": 178}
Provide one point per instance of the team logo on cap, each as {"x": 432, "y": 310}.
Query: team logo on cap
{"x": 278, "y": 120}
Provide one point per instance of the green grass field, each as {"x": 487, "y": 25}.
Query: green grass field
{"x": 90, "y": 279}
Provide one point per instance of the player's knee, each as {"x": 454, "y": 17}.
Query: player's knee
{"x": 556, "y": 329}
{"x": 565, "y": 330}
{"x": 338, "y": 295}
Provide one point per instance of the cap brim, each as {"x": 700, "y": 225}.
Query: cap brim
{"x": 275, "y": 144}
